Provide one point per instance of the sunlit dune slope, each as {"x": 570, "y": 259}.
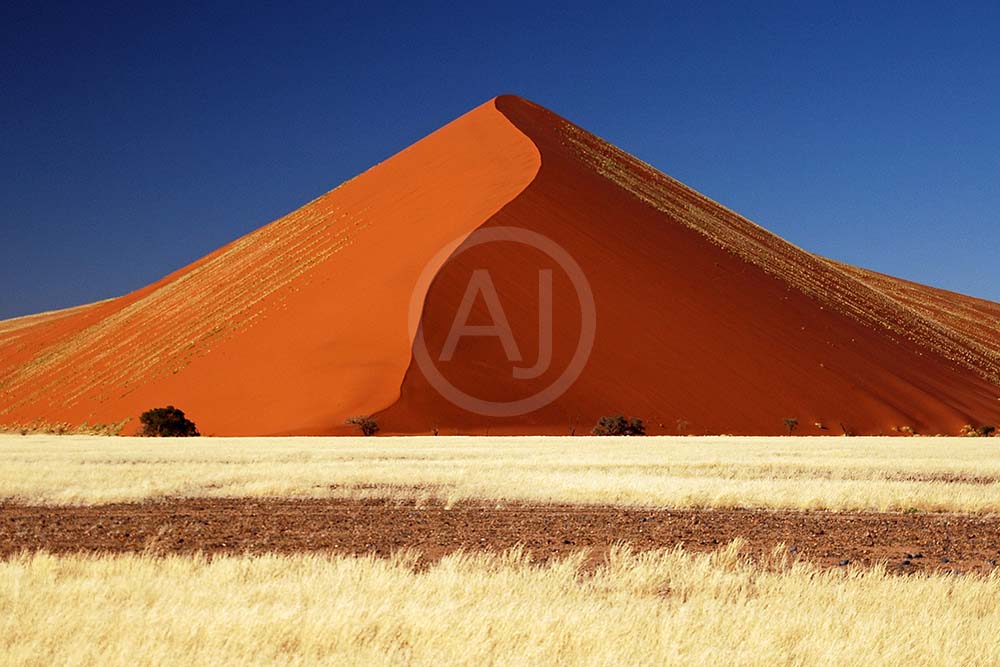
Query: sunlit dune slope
{"x": 289, "y": 328}
{"x": 704, "y": 321}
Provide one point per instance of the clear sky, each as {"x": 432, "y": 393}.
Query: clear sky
{"x": 136, "y": 139}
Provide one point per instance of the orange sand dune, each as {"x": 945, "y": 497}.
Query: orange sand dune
{"x": 705, "y": 322}
{"x": 289, "y": 328}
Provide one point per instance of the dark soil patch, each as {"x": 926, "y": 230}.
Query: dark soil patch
{"x": 938, "y": 542}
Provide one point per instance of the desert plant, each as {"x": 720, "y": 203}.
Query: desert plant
{"x": 168, "y": 422}
{"x": 984, "y": 431}
{"x": 619, "y": 425}
{"x": 791, "y": 423}
{"x": 366, "y": 423}
{"x": 987, "y": 430}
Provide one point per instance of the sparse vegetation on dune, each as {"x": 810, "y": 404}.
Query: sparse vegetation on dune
{"x": 984, "y": 431}
{"x": 791, "y": 424}
{"x": 887, "y": 474}
{"x": 41, "y": 427}
{"x": 618, "y": 425}
{"x": 666, "y": 607}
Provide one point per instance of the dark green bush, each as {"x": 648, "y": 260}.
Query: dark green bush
{"x": 168, "y": 422}
{"x": 619, "y": 425}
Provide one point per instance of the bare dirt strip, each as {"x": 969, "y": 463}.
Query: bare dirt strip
{"x": 907, "y": 542}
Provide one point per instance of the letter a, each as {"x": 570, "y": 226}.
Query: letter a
{"x": 481, "y": 283}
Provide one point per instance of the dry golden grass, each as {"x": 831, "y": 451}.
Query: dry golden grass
{"x": 652, "y": 608}
{"x": 885, "y": 474}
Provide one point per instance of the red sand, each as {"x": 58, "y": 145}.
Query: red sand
{"x": 703, "y": 319}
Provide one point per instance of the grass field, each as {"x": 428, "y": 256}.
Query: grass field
{"x": 653, "y": 608}
{"x": 884, "y": 474}
{"x": 473, "y": 608}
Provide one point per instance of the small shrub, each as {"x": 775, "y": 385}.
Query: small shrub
{"x": 59, "y": 428}
{"x": 791, "y": 423}
{"x": 168, "y": 422}
{"x": 984, "y": 431}
{"x": 619, "y": 425}
{"x": 366, "y": 423}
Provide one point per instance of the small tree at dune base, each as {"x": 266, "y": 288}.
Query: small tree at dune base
{"x": 168, "y": 422}
{"x": 366, "y": 423}
{"x": 619, "y": 425}
{"x": 791, "y": 424}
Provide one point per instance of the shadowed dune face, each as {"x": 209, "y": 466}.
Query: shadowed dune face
{"x": 703, "y": 321}
{"x": 706, "y": 323}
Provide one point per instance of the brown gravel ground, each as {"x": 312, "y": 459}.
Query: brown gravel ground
{"x": 907, "y": 542}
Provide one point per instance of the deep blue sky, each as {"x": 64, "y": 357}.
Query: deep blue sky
{"x": 137, "y": 139}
